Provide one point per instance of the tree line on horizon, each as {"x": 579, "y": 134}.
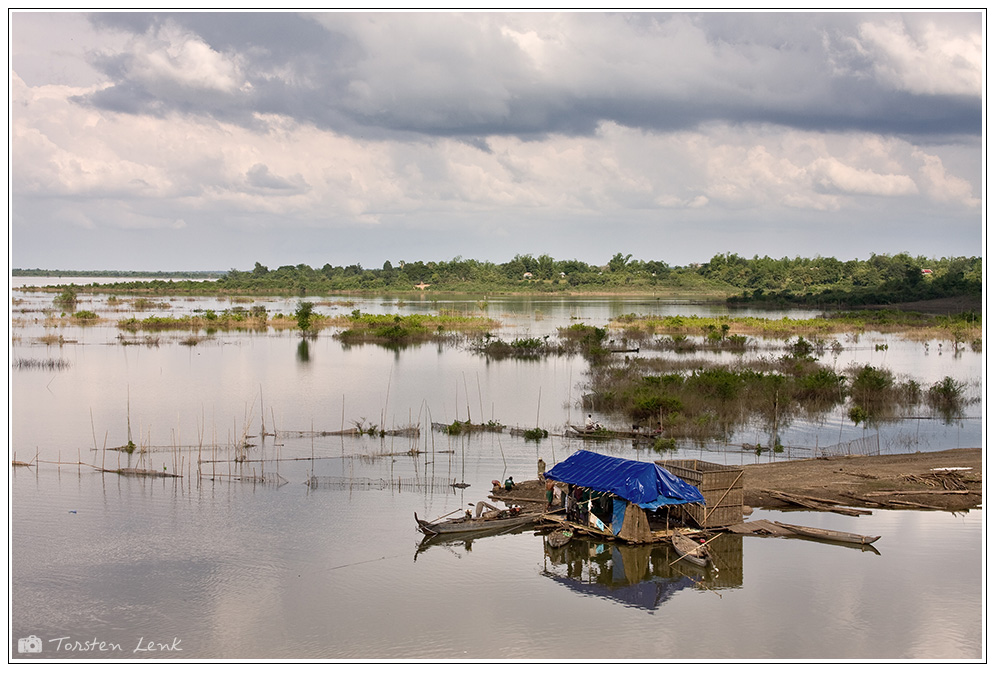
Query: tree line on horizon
{"x": 798, "y": 280}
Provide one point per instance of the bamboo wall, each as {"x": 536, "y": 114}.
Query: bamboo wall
{"x": 721, "y": 487}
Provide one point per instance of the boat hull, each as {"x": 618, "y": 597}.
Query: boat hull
{"x": 691, "y": 551}
{"x": 470, "y": 526}
{"x": 829, "y": 535}
{"x": 609, "y": 434}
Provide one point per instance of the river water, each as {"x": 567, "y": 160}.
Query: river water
{"x": 307, "y": 549}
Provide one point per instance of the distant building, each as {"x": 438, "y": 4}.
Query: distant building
{"x": 527, "y": 275}
{"x": 926, "y": 271}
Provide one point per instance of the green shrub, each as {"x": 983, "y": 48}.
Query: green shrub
{"x": 535, "y": 434}
{"x": 665, "y": 445}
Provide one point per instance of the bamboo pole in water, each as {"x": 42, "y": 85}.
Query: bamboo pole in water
{"x": 467, "y": 398}
{"x": 263, "y": 416}
{"x": 539, "y": 394}
{"x": 505, "y": 468}
{"x": 200, "y": 441}
{"x": 481, "y": 407}
{"x": 128, "y": 411}
{"x": 387, "y": 394}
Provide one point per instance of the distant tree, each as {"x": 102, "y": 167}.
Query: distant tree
{"x": 619, "y": 262}
{"x": 545, "y": 267}
{"x": 304, "y": 315}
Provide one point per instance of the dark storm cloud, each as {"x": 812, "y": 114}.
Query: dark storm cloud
{"x": 465, "y": 77}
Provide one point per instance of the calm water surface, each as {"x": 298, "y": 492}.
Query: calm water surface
{"x": 224, "y": 565}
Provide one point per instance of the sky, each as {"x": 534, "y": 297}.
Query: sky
{"x": 212, "y": 141}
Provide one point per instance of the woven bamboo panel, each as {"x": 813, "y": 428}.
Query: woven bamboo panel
{"x": 721, "y": 487}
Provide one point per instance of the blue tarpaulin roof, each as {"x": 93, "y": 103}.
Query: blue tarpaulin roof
{"x": 647, "y": 484}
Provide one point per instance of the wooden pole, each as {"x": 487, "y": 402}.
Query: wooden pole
{"x": 701, "y": 545}
{"x": 539, "y": 393}
{"x": 705, "y": 519}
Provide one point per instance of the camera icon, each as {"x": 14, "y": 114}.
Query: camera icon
{"x": 31, "y": 644}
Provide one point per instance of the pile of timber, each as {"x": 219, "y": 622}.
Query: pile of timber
{"x": 814, "y": 503}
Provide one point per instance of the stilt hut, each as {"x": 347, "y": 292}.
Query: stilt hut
{"x": 636, "y": 487}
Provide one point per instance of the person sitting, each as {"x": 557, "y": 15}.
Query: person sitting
{"x": 509, "y": 484}
{"x": 590, "y": 424}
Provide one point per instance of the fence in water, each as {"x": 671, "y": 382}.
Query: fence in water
{"x": 867, "y": 446}
{"x": 427, "y": 485}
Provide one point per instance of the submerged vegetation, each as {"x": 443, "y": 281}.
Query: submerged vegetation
{"x": 357, "y": 327}
{"x": 210, "y": 321}
{"x": 673, "y": 390}
{"x": 711, "y": 401}
{"x": 731, "y": 332}
{"x": 398, "y": 330}
{"x": 40, "y": 364}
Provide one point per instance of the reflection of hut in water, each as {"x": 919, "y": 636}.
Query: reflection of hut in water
{"x": 618, "y": 494}
{"x": 636, "y": 576}
{"x": 641, "y": 576}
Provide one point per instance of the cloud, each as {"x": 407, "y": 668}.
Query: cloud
{"x": 560, "y": 128}
{"x": 168, "y": 67}
{"x": 479, "y": 75}
{"x": 940, "y": 185}
{"x": 925, "y": 58}
{"x": 835, "y": 176}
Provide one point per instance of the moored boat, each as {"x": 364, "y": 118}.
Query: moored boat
{"x": 511, "y": 518}
{"x": 829, "y": 534}
{"x": 601, "y": 432}
{"x": 558, "y": 538}
{"x": 691, "y": 551}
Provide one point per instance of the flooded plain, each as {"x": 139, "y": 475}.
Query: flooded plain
{"x": 280, "y": 538}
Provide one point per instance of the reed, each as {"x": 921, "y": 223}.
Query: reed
{"x": 40, "y": 364}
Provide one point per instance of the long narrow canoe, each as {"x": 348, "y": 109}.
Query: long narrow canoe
{"x": 610, "y": 434}
{"x": 466, "y": 525}
{"x": 829, "y": 534}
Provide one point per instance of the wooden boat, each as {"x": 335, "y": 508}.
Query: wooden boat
{"x": 829, "y": 534}
{"x": 608, "y": 434}
{"x": 458, "y": 427}
{"x": 558, "y": 538}
{"x": 691, "y": 551}
{"x": 511, "y": 518}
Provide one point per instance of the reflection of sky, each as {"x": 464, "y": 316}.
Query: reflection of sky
{"x": 210, "y": 392}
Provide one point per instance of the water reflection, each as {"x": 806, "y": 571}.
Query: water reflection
{"x": 303, "y": 356}
{"x": 458, "y": 544}
{"x": 640, "y": 576}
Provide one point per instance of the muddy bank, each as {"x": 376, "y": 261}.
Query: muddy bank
{"x": 899, "y": 481}
{"x": 894, "y": 481}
